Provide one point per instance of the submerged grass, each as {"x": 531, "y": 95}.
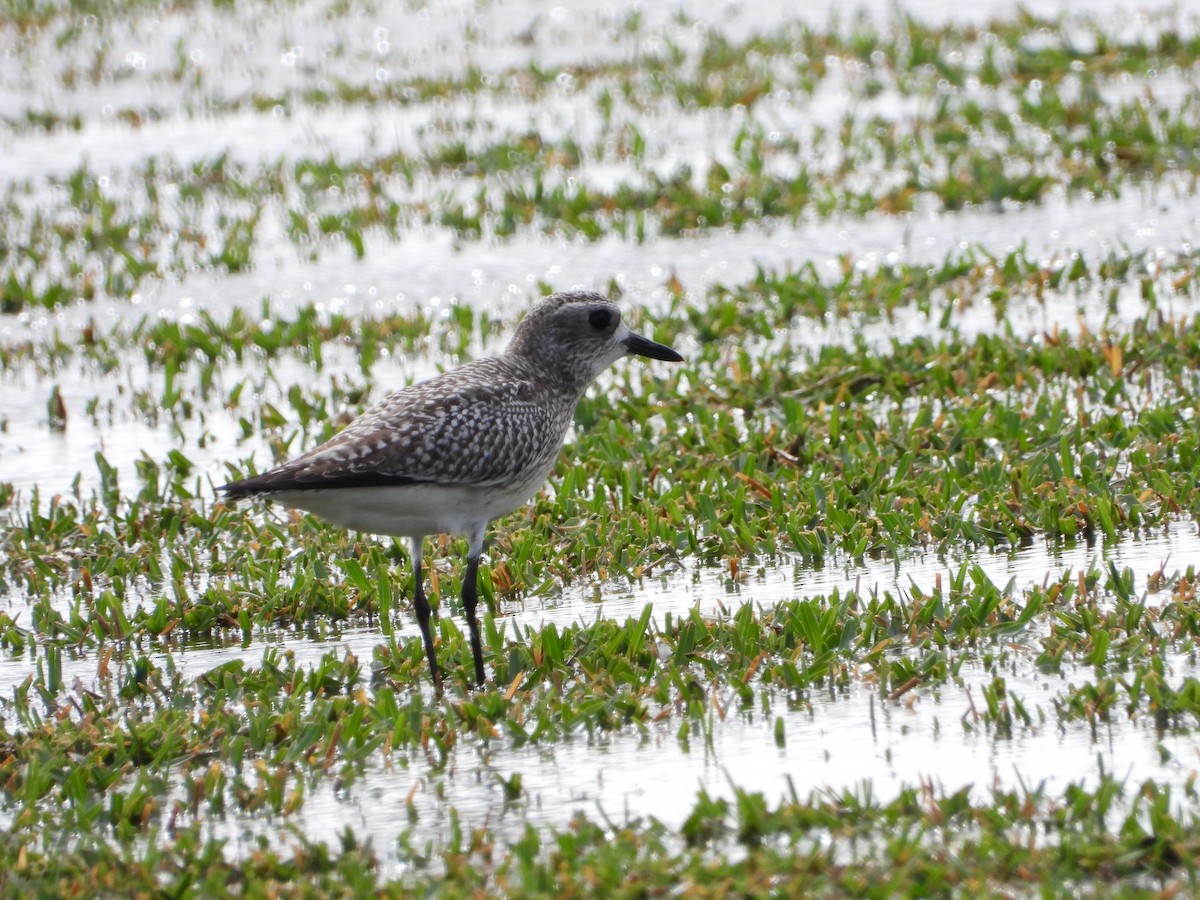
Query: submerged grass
{"x": 93, "y": 772}
{"x": 924, "y": 842}
{"x": 1001, "y": 116}
{"x": 109, "y": 234}
{"x": 742, "y": 457}
{"x": 189, "y": 683}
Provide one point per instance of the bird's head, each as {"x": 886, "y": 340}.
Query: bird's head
{"x": 578, "y": 334}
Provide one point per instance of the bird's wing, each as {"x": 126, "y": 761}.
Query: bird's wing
{"x": 458, "y": 428}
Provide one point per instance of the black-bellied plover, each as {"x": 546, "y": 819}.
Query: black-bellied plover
{"x": 448, "y": 455}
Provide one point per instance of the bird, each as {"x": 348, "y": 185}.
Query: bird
{"x": 449, "y": 455}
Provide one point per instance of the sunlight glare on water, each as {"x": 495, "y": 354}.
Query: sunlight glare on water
{"x": 841, "y": 740}
{"x": 832, "y": 743}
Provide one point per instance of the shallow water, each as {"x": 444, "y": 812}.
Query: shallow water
{"x": 501, "y": 279}
{"x": 1162, "y": 220}
{"x": 853, "y": 740}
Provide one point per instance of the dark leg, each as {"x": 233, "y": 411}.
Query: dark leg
{"x": 421, "y": 606}
{"x": 470, "y": 596}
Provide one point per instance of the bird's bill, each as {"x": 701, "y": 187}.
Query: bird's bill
{"x": 640, "y": 346}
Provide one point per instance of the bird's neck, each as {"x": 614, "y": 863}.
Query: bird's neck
{"x": 570, "y": 383}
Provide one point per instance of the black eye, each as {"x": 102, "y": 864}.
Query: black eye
{"x": 600, "y": 319}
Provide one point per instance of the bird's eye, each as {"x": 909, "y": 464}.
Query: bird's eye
{"x": 600, "y": 319}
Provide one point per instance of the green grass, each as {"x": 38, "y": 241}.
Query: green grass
{"x": 330, "y": 203}
{"x": 193, "y": 684}
{"x": 829, "y": 454}
{"x": 255, "y": 740}
{"x": 108, "y": 234}
{"x": 923, "y": 843}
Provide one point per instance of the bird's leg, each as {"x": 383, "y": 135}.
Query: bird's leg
{"x": 421, "y": 605}
{"x": 470, "y": 596}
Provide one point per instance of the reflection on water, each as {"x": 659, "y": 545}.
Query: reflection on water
{"x": 830, "y": 742}
{"x": 31, "y": 453}
{"x": 834, "y": 743}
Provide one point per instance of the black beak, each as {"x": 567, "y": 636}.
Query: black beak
{"x": 640, "y": 346}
